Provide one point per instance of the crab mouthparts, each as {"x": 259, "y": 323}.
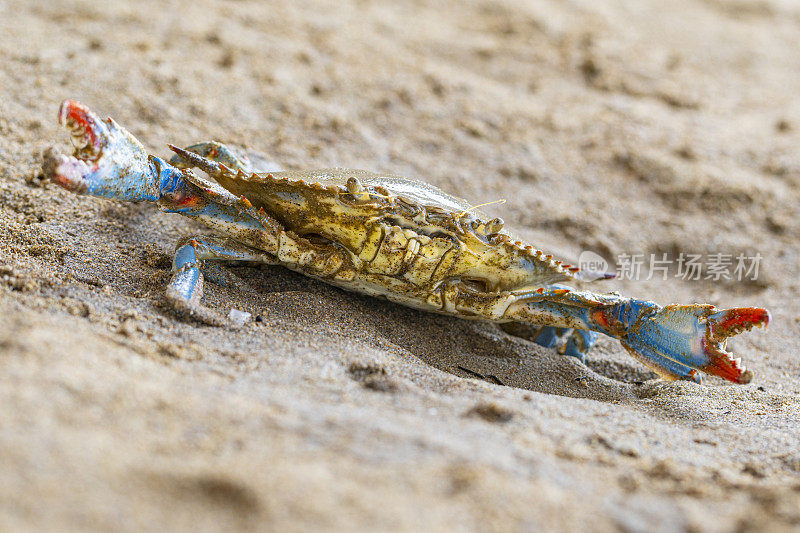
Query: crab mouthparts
{"x": 723, "y": 325}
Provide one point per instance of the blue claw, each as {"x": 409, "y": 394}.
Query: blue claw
{"x": 678, "y": 341}
{"x": 107, "y": 161}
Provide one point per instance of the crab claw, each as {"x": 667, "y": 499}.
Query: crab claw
{"x": 678, "y": 340}
{"x": 107, "y": 160}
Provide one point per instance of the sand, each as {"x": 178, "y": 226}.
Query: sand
{"x": 618, "y": 127}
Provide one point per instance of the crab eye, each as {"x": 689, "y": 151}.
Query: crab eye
{"x": 477, "y": 284}
{"x": 316, "y": 238}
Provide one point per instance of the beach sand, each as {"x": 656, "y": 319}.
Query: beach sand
{"x": 618, "y": 127}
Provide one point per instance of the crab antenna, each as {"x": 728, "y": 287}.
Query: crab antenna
{"x": 204, "y": 164}
{"x": 500, "y": 201}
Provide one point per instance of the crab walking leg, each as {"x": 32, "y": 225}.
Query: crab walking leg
{"x": 185, "y": 289}
{"x": 567, "y": 341}
{"x": 676, "y": 341}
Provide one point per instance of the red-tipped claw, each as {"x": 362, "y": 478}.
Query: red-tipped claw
{"x": 88, "y": 132}
{"x": 725, "y": 324}
{"x": 107, "y": 160}
{"x": 677, "y": 340}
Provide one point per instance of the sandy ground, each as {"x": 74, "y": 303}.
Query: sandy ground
{"x": 619, "y": 127}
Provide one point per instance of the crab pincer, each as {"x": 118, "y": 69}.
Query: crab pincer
{"x": 107, "y": 160}
{"x": 678, "y": 340}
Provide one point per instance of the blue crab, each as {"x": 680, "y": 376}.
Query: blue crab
{"x": 387, "y": 236}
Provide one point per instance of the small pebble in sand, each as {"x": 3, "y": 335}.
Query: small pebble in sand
{"x": 238, "y": 317}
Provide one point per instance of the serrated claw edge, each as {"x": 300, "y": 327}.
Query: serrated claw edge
{"x": 723, "y": 325}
